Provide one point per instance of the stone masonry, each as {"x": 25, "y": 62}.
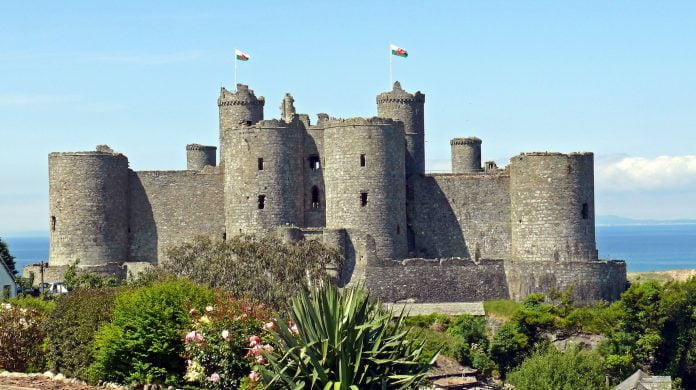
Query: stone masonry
{"x": 357, "y": 184}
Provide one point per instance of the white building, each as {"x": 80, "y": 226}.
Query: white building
{"x": 8, "y": 286}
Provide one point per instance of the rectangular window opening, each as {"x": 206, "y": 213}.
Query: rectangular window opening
{"x": 260, "y": 162}
{"x": 362, "y": 160}
{"x": 585, "y": 211}
{"x": 53, "y": 223}
{"x": 314, "y": 162}
{"x": 262, "y": 202}
{"x": 363, "y": 199}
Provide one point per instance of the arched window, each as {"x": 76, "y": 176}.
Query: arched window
{"x": 315, "y": 197}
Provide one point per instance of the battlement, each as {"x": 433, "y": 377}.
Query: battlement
{"x": 200, "y": 147}
{"x": 466, "y": 141}
{"x": 100, "y": 150}
{"x": 243, "y": 96}
{"x": 358, "y": 121}
{"x": 552, "y": 154}
{"x": 398, "y": 95}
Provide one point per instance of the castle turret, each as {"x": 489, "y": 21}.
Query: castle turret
{"x": 365, "y": 181}
{"x": 287, "y": 108}
{"x": 466, "y": 155}
{"x": 88, "y": 202}
{"x": 199, "y": 156}
{"x": 552, "y": 207}
{"x": 263, "y": 176}
{"x": 407, "y": 108}
{"x": 241, "y": 106}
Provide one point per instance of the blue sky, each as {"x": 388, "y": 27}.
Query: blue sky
{"x": 617, "y": 78}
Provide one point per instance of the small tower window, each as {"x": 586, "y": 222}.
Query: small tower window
{"x": 398, "y": 229}
{"x": 315, "y": 197}
{"x": 53, "y": 223}
{"x": 314, "y": 162}
{"x": 362, "y": 160}
{"x": 585, "y": 211}
{"x": 262, "y": 202}
{"x": 260, "y": 163}
{"x": 363, "y": 199}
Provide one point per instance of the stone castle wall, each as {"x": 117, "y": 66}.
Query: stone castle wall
{"x": 365, "y": 183}
{"x": 460, "y": 215}
{"x": 263, "y": 177}
{"x": 170, "y": 207}
{"x": 88, "y": 205}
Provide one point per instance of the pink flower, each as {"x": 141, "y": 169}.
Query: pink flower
{"x": 215, "y": 377}
{"x": 226, "y": 335}
{"x": 294, "y": 330}
{"x": 208, "y": 308}
{"x": 261, "y": 360}
{"x": 190, "y": 336}
{"x": 254, "y": 376}
{"x": 268, "y": 326}
{"x": 268, "y": 348}
{"x": 254, "y": 341}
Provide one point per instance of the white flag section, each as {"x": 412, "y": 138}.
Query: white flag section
{"x": 241, "y": 56}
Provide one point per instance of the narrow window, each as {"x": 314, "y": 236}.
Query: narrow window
{"x": 362, "y": 160}
{"x": 260, "y": 162}
{"x": 262, "y": 202}
{"x": 224, "y": 236}
{"x": 315, "y": 197}
{"x": 363, "y": 199}
{"x": 314, "y": 162}
{"x": 585, "y": 211}
{"x": 53, "y": 223}
{"x": 398, "y": 229}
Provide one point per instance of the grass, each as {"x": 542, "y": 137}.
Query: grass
{"x": 501, "y": 308}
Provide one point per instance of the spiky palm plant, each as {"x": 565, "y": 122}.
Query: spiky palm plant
{"x": 343, "y": 342}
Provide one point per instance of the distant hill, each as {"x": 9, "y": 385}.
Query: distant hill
{"x": 613, "y": 220}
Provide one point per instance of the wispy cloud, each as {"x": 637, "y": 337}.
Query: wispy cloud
{"x": 640, "y": 173}
{"x": 147, "y": 59}
{"x": 31, "y": 100}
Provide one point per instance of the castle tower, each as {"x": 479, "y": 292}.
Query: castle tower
{"x": 407, "y": 108}
{"x": 552, "y": 207}
{"x": 241, "y": 106}
{"x": 287, "y": 108}
{"x": 466, "y": 155}
{"x": 88, "y": 202}
{"x": 199, "y": 156}
{"x": 365, "y": 181}
{"x": 263, "y": 176}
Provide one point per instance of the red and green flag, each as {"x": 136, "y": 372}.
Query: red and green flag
{"x": 397, "y": 51}
{"x": 241, "y": 56}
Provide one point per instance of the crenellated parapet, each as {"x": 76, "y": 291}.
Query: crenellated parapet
{"x": 466, "y": 155}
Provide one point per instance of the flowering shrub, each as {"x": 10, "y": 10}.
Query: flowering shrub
{"x": 225, "y": 340}
{"x": 21, "y": 336}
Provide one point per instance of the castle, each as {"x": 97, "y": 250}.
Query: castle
{"x": 359, "y": 185}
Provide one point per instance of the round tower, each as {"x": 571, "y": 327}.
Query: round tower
{"x": 238, "y": 107}
{"x": 466, "y": 155}
{"x": 88, "y": 203}
{"x": 199, "y": 156}
{"x": 365, "y": 181}
{"x": 263, "y": 177}
{"x": 552, "y": 207}
{"x": 407, "y": 108}
{"x": 287, "y": 108}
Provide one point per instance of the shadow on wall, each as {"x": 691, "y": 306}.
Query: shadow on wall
{"x": 142, "y": 230}
{"x": 432, "y": 222}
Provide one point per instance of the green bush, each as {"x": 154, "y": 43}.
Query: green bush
{"x": 509, "y": 347}
{"x": 71, "y": 327}
{"x": 550, "y": 369}
{"x": 263, "y": 267}
{"x": 342, "y": 341}
{"x": 21, "y": 337}
{"x": 40, "y": 304}
{"x": 472, "y": 331}
{"x": 438, "y": 342}
{"x": 217, "y": 346}
{"x": 143, "y": 343}
{"x": 426, "y": 320}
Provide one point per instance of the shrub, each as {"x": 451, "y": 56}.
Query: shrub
{"x": 342, "y": 341}
{"x": 472, "y": 330}
{"x": 509, "y": 347}
{"x": 550, "y": 369}
{"x": 21, "y": 337}
{"x": 426, "y": 320}
{"x": 71, "y": 327}
{"x": 263, "y": 267}
{"x": 40, "y": 304}
{"x": 74, "y": 280}
{"x": 217, "y": 344}
{"x": 143, "y": 343}
{"x": 438, "y": 342}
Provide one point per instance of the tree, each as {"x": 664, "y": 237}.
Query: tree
{"x": 7, "y": 258}
{"x": 264, "y": 267}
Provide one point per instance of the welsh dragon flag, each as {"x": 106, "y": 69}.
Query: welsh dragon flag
{"x": 397, "y": 51}
{"x": 241, "y": 56}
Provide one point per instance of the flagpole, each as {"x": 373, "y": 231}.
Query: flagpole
{"x": 390, "y": 66}
{"x": 235, "y": 72}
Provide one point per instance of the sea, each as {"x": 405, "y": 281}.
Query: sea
{"x": 643, "y": 247}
